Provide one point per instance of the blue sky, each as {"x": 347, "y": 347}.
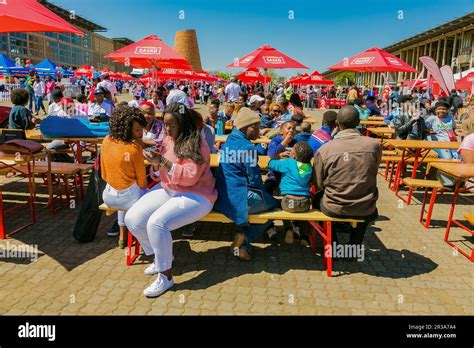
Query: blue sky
{"x": 320, "y": 34}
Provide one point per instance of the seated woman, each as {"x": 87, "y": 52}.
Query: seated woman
{"x": 122, "y": 163}
{"x": 187, "y": 193}
{"x": 154, "y": 131}
{"x": 240, "y": 186}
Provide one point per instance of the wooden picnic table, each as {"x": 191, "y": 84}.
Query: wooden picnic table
{"x": 23, "y": 164}
{"x": 422, "y": 149}
{"x": 376, "y": 118}
{"x": 462, "y": 172}
{"x": 382, "y": 132}
{"x": 373, "y": 123}
{"x": 260, "y": 140}
{"x": 36, "y": 135}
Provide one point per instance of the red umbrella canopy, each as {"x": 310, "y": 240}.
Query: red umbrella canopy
{"x": 297, "y": 79}
{"x": 171, "y": 74}
{"x": 252, "y": 75}
{"x": 466, "y": 82}
{"x": 111, "y": 73}
{"x": 30, "y": 16}
{"x": 205, "y": 76}
{"x": 315, "y": 79}
{"x": 266, "y": 57}
{"x": 373, "y": 60}
{"x": 84, "y": 70}
{"x": 149, "y": 52}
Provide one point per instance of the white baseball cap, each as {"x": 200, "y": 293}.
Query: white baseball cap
{"x": 255, "y": 98}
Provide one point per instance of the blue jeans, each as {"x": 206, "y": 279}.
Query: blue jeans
{"x": 258, "y": 202}
{"x": 39, "y": 104}
{"x": 32, "y": 98}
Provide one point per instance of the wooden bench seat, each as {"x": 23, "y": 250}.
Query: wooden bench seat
{"x": 412, "y": 159}
{"x": 422, "y": 183}
{"x": 321, "y": 224}
{"x": 469, "y": 218}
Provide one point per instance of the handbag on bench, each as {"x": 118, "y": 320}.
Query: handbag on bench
{"x": 24, "y": 147}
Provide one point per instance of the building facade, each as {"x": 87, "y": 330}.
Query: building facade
{"x": 65, "y": 49}
{"x": 451, "y": 44}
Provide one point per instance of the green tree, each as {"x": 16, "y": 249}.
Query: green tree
{"x": 224, "y": 75}
{"x": 345, "y": 78}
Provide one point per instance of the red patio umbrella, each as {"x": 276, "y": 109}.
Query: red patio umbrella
{"x": 30, "y": 16}
{"x": 85, "y": 70}
{"x": 112, "y": 74}
{"x": 266, "y": 57}
{"x": 314, "y": 79}
{"x": 373, "y": 60}
{"x": 205, "y": 76}
{"x": 467, "y": 82}
{"x": 252, "y": 75}
{"x": 149, "y": 52}
{"x": 297, "y": 79}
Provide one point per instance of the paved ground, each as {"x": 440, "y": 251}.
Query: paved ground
{"x": 406, "y": 270}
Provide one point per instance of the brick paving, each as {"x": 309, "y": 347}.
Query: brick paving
{"x": 407, "y": 270}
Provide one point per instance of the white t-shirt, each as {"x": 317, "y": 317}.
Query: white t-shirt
{"x": 54, "y": 109}
{"x": 177, "y": 96}
{"x": 39, "y": 88}
{"x": 158, "y": 107}
{"x": 96, "y": 110}
{"x": 232, "y": 91}
{"x": 134, "y": 103}
{"x": 108, "y": 85}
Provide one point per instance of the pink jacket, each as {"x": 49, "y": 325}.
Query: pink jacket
{"x": 188, "y": 176}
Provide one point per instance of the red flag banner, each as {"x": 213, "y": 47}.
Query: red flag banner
{"x": 448, "y": 76}
{"x": 435, "y": 72}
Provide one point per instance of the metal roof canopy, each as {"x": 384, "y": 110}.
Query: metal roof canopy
{"x": 78, "y": 20}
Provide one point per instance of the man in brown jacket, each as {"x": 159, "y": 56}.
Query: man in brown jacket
{"x": 345, "y": 171}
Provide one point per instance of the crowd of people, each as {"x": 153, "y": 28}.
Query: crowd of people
{"x": 179, "y": 187}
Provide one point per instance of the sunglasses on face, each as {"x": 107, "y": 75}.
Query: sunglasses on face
{"x": 276, "y": 111}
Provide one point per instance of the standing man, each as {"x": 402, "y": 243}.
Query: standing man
{"x": 232, "y": 91}
{"x": 309, "y": 97}
{"x": 108, "y": 85}
{"x": 39, "y": 89}
{"x": 352, "y": 95}
{"x": 30, "y": 80}
{"x": 345, "y": 173}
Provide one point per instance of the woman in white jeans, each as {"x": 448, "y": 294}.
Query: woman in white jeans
{"x": 122, "y": 163}
{"x": 187, "y": 194}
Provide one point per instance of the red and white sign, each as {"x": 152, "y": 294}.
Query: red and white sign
{"x": 147, "y": 50}
{"x": 362, "y": 60}
{"x": 252, "y": 73}
{"x": 273, "y": 60}
{"x": 246, "y": 60}
{"x": 394, "y": 61}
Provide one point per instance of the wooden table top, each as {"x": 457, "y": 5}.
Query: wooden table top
{"x": 373, "y": 123}
{"x": 381, "y": 130}
{"x": 458, "y": 170}
{"x": 260, "y": 140}
{"x": 7, "y": 157}
{"x": 423, "y": 144}
{"x": 35, "y": 134}
{"x": 376, "y": 118}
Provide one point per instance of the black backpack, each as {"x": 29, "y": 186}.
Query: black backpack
{"x": 89, "y": 217}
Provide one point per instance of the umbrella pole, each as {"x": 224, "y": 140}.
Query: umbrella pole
{"x": 265, "y": 81}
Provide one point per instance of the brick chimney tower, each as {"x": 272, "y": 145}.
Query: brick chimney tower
{"x": 186, "y": 44}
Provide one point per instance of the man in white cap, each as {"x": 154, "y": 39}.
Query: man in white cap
{"x": 108, "y": 85}
{"x": 232, "y": 91}
{"x": 255, "y": 103}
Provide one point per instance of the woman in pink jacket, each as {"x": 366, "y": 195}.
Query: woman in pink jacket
{"x": 187, "y": 193}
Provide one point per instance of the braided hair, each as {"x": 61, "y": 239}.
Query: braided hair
{"x": 190, "y": 123}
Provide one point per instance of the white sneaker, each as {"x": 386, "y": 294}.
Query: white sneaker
{"x": 151, "y": 269}
{"x": 159, "y": 286}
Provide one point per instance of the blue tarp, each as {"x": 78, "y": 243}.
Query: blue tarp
{"x": 8, "y": 67}
{"x": 49, "y": 68}
{"x": 62, "y": 127}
